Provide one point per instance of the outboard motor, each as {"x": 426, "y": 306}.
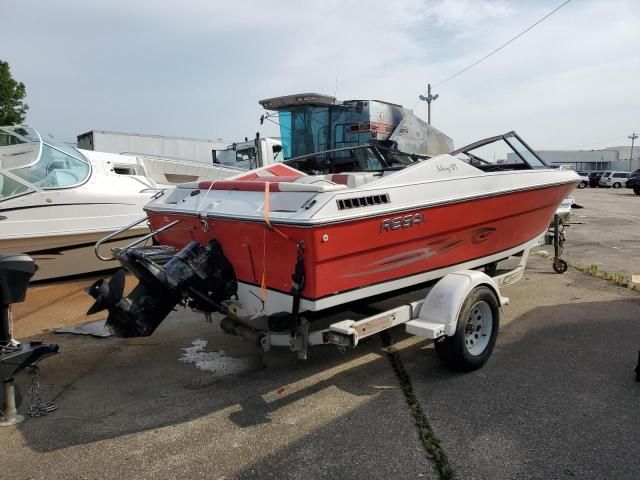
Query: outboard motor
{"x": 15, "y": 272}
{"x": 196, "y": 276}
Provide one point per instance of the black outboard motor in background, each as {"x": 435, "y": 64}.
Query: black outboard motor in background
{"x": 15, "y": 272}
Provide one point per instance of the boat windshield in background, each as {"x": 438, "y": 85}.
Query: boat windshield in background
{"x": 29, "y": 163}
{"x": 308, "y": 128}
{"x": 503, "y": 152}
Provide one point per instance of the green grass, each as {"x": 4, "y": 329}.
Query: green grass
{"x": 617, "y": 278}
{"x": 429, "y": 441}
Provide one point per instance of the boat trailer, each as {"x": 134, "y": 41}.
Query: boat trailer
{"x": 15, "y": 272}
{"x": 460, "y": 312}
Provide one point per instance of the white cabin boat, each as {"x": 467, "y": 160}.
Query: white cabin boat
{"x": 56, "y": 201}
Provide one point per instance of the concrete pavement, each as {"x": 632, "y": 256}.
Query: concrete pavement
{"x": 556, "y": 400}
{"x": 606, "y": 232}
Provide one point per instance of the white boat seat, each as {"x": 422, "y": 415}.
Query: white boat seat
{"x": 352, "y": 179}
{"x": 166, "y": 171}
{"x": 276, "y": 184}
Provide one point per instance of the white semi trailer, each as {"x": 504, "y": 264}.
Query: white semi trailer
{"x": 246, "y": 155}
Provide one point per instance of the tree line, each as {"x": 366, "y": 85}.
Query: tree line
{"x": 13, "y": 109}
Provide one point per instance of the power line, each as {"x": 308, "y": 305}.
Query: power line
{"x": 503, "y": 45}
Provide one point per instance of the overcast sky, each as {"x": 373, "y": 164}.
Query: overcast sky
{"x": 197, "y": 68}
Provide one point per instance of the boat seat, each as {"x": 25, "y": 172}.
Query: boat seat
{"x": 167, "y": 171}
{"x": 353, "y": 179}
{"x": 307, "y": 183}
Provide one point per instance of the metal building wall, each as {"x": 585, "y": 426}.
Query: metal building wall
{"x": 584, "y": 160}
{"x": 191, "y": 149}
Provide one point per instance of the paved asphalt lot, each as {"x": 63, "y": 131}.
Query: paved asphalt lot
{"x": 606, "y": 232}
{"x": 557, "y": 399}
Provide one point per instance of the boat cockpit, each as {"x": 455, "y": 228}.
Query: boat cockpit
{"x": 29, "y": 162}
{"x": 321, "y": 135}
{"x": 511, "y": 151}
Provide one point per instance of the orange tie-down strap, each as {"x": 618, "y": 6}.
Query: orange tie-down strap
{"x": 268, "y": 227}
{"x": 264, "y": 293}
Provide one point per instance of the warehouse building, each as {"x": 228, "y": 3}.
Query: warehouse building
{"x": 191, "y": 149}
{"x": 611, "y": 158}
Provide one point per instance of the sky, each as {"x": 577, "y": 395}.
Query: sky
{"x": 197, "y": 68}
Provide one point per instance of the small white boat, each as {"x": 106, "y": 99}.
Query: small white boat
{"x": 56, "y": 201}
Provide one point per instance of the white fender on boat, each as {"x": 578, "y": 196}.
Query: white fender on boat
{"x": 444, "y": 301}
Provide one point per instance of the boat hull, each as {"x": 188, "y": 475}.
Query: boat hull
{"x": 60, "y": 256}
{"x": 353, "y": 255}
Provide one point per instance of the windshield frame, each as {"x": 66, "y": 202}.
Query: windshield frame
{"x": 481, "y": 143}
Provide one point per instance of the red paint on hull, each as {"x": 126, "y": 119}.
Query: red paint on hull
{"x": 360, "y": 253}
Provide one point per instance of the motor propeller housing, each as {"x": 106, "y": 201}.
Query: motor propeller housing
{"x": 196, "y": 276}
{"x": 107, "y": 294}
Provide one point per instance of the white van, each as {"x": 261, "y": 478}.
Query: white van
{"x": 615, "y": 179}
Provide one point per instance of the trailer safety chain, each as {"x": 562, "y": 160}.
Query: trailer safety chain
{"x": 38, "y": 408}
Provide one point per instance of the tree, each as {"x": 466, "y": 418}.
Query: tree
{"x": 12, "y": 109}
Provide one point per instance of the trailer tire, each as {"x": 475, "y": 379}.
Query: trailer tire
{"x": 476, "y": 332}
{"x": 560, "y": 266}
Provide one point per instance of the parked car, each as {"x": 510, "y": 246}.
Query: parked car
{"x": 634, "y": 179}
{"x": 584, "y": 176}
{"x": 615, "y": 179}
{"x": 594, "y": 178}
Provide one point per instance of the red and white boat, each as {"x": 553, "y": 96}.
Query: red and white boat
{"x": 356, "y": 234}
{"x": 270, "y": 247}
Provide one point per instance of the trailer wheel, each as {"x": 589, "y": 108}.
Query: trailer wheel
{"x": 560, "y": 266}
{"x": 476, "y": 332}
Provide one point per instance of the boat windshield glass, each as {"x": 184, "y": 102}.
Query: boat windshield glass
{"x": 29, "y": 163}
{"x": 16, "y": 135}
{"x": 505, "y": 152}
{"x": 366, "y": 158}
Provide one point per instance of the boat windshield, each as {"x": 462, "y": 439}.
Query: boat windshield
{"x": 365, "y": 158}
{"x": 504, "y": 152}
{"x": 30, "y": 163}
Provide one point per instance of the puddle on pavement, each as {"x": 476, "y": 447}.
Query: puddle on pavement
{"x": 217, "y": 362}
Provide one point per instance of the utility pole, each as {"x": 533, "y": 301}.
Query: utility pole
{"x": 633, "y": 137}
{"x": 429, "y": 98}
